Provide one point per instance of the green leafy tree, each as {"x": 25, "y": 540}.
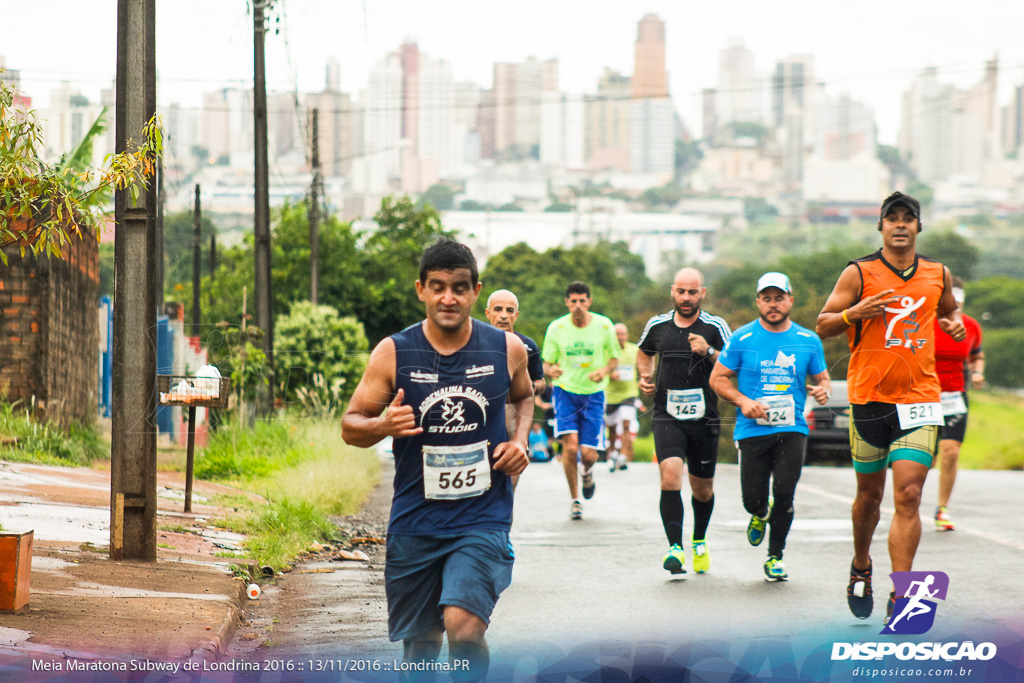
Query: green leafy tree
{"x": 558, "y": 207}
{"x": 473, "y": 205}
{"x": 320, "y": 357}
{"x": 921, "y": 192}
{"x": 43, "y": 205}
{"x": 1002, "y": 357}
{"x": 758, "y": 210}
{"x": 441, "y": 197}
{"x": 996, "y": 302}
{"x": 955, "y": 252}
{"x": 663, "y": 197}
{"x": 179, "y": 249}
{"x": 687, "y": 158}
{"x": 509, "y": 206}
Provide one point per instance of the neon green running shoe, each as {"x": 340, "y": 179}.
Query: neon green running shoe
{"x": 701, "y": 557}
{"x": 756, "y": 527}
{"x": 774, "y": 570}
{"x": 675, "y": 560}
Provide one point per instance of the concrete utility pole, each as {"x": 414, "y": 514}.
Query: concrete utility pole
{"x": 197, "y": 264}
{"x": 133, "y": 427}
{"x": 314, "y": 215}
{"x": 213, "y": 264}
{"x": 160, "y": 205}
{"x": 264, "y": 304}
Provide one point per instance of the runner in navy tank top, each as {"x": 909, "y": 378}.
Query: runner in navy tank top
{"x": 444, "y": 384}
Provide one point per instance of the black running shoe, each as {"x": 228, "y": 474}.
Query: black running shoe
{"x": 890, "y": 605}
{"x": 858, "y": 592}
{"x": 588, "y": 484}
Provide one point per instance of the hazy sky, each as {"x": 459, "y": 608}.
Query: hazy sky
{"x": 870, "y": 49}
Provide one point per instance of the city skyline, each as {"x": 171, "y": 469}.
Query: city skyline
{"x": 203, "y": 45}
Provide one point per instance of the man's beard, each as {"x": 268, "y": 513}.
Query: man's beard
{"x": 777, "y": 322}
{"x": 695, "y": 310}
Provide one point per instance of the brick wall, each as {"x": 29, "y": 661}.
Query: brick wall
{"x": 49, "y": 331}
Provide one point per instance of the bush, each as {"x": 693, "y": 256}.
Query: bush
{"x": 320, "y": 357}
{"x": 1002, "y": 357}
{"x": 242, "y": 453}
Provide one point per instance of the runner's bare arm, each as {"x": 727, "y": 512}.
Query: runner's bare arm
{"x": 645, "y": 371}
{"x": 977, "y": 365}
{"x": 950, "y": 320}
{"x": 511, "y": 457}
{"x": 364, "y": 424}
{"x": 843, "y": 309}
{"x": 821, "y": 390}
{"x": 721, "y": 384}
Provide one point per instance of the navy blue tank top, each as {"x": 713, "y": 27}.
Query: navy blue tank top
{"x": 444, "y": 481}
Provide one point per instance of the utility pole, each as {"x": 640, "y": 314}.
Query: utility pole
{"x": 197, "y": 263}
{"x": 213, "y": 264}
{"x": 314, "y": 215}
{"x": 133, "y": 425}
{"x": 160, "y": 205}
{"x": 264, "y": 306}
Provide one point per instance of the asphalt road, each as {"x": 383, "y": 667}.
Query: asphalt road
{"x": 600, "y": 580}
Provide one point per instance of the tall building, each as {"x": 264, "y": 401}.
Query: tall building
{"x": 561, "y": 131}
{"x": 1013, "y": 122}
{"x": 651, "y": 118}
{"x": 336, "y": 129}
{"x": 844, "y": 129}
{"x": 228, "y": 127}
{"x": 382, "y": 124}
{"x": 740, "y": 95}
{"x": 518, "y": 92}
{"x": 436, "y": 120}
{"x": 794, "y": 93}
{"x": 607, "y": 125}
{"x": 467, "y": 138}
{"x": 66, "y": 121}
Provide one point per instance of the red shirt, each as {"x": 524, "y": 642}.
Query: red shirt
{"x": 950, "y": 355}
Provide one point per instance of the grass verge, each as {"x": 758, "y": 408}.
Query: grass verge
{"x": 303, "y": 471}
{"x": 47, "y": 443}
{"x": 995, "y": 432}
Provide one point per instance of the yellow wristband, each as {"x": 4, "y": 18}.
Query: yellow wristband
{"x": 845, "y": 319}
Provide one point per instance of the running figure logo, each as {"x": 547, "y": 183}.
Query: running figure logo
{"x": 915, "y": 612}
{"x": 452, "y": 411}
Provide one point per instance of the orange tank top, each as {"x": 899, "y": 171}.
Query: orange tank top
{"x": 892, "y": 357}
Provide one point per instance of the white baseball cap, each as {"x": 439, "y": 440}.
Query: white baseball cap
{"x": 778, "y": 280}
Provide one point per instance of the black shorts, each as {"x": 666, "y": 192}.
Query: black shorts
{"x": 877, "y": 439}
{"x": 698, "y": 446}
{"x": 955, "y": 426}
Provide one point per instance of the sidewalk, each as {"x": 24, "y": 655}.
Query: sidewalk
{"x": 122, "y": 616}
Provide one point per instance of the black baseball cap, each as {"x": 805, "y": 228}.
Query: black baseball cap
{"x": 897, "y": 198}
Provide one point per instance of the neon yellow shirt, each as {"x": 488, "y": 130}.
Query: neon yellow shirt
{"x": 628, "y": 384}
{"x": 579, "y": 351}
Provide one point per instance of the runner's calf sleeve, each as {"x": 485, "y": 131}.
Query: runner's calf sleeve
{"x": 701, "y": 516}
{"x": 672, "y": 516}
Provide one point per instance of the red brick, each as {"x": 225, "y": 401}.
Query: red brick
{"x": 16, "y": 340}
{"x": 19, "y": 299}
{"x": 34, "y": 327}
{"x": 11, "y": 311}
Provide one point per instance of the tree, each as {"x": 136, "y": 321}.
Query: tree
{"x": 758, "y": 210}
{"x": 473, "y": 205}
{"x": 921, "y": 192}
{"x": 663, "y": 197}
{"x": 43, "y": 205}
{"x": 558, "y": 207}
{"x": 441, "y": 197}
{"x": 320, "y": 357}
{"x": 510, "y": 206}
{"x": 953, "y": 251}
{"x": 688, "y": 156}
{"x": 179, "y": 247}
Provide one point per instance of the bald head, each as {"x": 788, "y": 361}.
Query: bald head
{"x": 622, "y": 334}
{"x": 688, "y": 274}
{"x": 502, "y": 309}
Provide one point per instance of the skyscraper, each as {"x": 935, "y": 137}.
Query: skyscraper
{"x": 652, "y": 121}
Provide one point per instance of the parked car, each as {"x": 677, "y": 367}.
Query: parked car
{"x": 828, "y": 438}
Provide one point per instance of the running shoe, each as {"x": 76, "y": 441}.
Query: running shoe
{"x": 701, "y": 557}
{"x": 613, "y": 463}
{"x": 890, "y": 605}
{"x": 675, "y": 560}
{"x": 576, "y": 511}
{"x": 858, "y": 592}
{"x": 757, "y": 525}
{"x": 943, "y": 522}
{"x": 623, "y": 463}
{"x": 774, "y": 570}
{"x": 588, "y": 484}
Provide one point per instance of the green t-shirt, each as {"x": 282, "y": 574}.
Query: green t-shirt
{"x": 579, "y": 351}
{"x": 628, "y": 384}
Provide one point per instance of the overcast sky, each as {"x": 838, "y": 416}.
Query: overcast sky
{"x": 870, "y": 49}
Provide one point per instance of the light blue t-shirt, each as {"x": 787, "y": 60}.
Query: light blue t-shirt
{"x": 772, "y": 367}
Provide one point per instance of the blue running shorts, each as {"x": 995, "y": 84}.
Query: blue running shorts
{"x": 422, "y": 574}
{"x": 580, "y": 413}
